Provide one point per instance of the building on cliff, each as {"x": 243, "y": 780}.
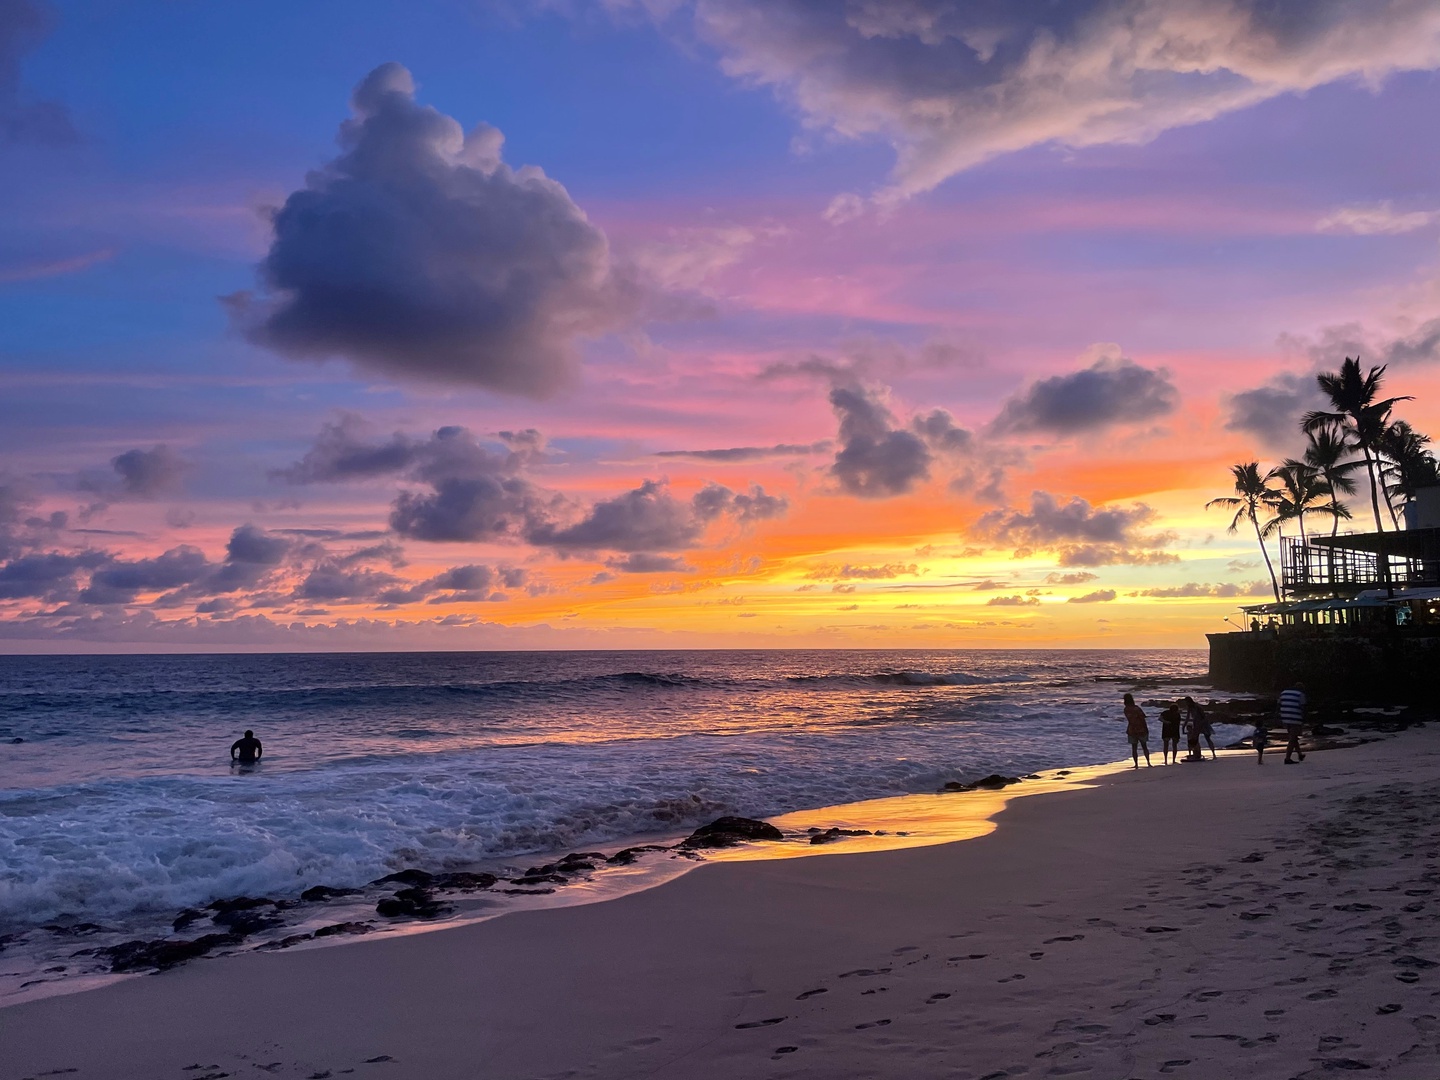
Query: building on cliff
{"x": 1359, "y": 615}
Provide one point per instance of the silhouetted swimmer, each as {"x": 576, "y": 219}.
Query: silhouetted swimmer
{"x": 246, "y": 751}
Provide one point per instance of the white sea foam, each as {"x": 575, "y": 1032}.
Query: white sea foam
{"x": 115, "y": 815}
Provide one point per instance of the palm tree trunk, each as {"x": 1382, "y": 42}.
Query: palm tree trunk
{"x": 1266, "y": 552}
{"x": 1374, "y": 487}
{"x": 1382, "y": 557}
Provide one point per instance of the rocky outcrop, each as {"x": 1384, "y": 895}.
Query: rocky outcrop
{"x": 993, "y": 782}
{"x": 730, "y": 831}
{"x": 162, "y": 954}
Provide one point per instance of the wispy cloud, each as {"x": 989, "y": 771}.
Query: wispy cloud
{"x": 1376, "y": 218}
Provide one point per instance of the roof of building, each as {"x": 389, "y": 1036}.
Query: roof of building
{"x": 1407, "y": 543}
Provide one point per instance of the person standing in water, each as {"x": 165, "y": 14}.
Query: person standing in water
{"x": 246, "y": 751}
{"x": 1137, "y": 730}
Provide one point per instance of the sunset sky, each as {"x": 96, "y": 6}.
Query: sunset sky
{"x": 685, "y": 323}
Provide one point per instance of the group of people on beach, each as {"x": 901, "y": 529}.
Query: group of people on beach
{"x": 1188, "y": 718}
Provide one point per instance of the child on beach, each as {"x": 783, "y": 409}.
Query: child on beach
{"x": 1137, "y": 730}
{"x": 1170, "y": 735}
{"x": 1260, "y": 740}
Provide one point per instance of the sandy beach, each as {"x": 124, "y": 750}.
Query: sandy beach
{"x": 1197, "y": 921}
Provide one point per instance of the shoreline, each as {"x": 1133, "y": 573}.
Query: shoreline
{"x": 892, "y": 823}
{"x": 1080, "y": 920}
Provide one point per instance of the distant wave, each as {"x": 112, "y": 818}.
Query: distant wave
{"x": 908, "y": 678}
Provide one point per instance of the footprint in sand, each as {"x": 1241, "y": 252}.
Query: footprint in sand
{"x": 936, "y": 997}
{"x": 1036, "y": 955}
{"x": 1171, "y": 1066}
{"x": 378, "y": 1059}
{"x": 865, "y": 971}
{"x": 786, "y": 1049}
{"x": 1159, "y": 1018}
{"x": 811, "y": 993}
{"x": 761, "y": 1023}
{"x": 877, "y": 990}
{"x": 904, "y": 949}
{"x": 1386, "y": 1010}
{"x": 872, "y": 1023}
{"x": 1067, "y": 937}
{"x": 1162, "y": 929}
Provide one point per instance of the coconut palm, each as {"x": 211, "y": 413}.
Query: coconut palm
{"x": 1327, "y": 452}
{"x": 1409, "y": 465}
{"x": 1303, "y": 491}
{"x": 1357, "y": 412}
{"x": 1253, "y": 498}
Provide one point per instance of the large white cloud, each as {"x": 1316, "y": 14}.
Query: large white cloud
{"x": 952, "y": 84}
{"x": 419, "y": 253}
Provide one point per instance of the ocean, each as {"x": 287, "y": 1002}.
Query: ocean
{"x": 118, "y": 804}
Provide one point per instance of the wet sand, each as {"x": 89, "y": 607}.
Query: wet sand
{"x": 1200, "y": 921}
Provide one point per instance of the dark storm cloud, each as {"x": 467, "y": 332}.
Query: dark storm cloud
{"x": 329, "y": 580}
{"x": 938, "y": 429}
{"x": 1076, "y": 532}
{"x": 342, "y": 452}
{"x": 951, "y": 85}
{"x": 120, "y": 581}
{"x": 749, "y": 453}
{"x": 478, "y": 491}
{"x": 1110, "y": 391}
{"x": 1272, "y": 412}
{"x": 876, "y": 460}
{"x": 646, "y": 563}
{"x": 253, "y": 545}
{"x": 23, "y": 24}
{"x": 646, "y": 519}
{"x": 419, "y": 253}
{"x": 48, "y": 575}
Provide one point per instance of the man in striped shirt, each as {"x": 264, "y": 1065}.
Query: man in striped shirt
{"x": 1292, "y": 715}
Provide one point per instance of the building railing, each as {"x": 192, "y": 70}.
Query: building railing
{"x": 1308, "y": 568}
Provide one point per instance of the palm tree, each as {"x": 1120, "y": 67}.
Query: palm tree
{"x": 1357, "y": 413}
{"x": 1253, "y": 495}
{"x": 1304, "y": 491}
{"x": 1409, "y": 464}
{"x": 1327, "y": 450}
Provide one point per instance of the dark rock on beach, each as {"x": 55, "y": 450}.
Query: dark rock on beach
{"x": 75, "y": 929}
{"x": 246, "y": 923}
{"x": 317, "y": 893}
{"x": 186, "y": 917}
{"x": 463, "y": 881}
{"x": 412, "y": 903}
{"x": 344, "y": 928}
{"x": 241, "y": 903}
{"x": 163, "y": 953}
{"x": 418, "y": 878}
{"x": 993, "y": 782}
{"x": 730, "y": 831}
{"x": 626, "y": 856}
{"x": 529, "y": 878}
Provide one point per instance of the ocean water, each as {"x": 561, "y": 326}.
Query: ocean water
{"x": 118, "y": 803}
